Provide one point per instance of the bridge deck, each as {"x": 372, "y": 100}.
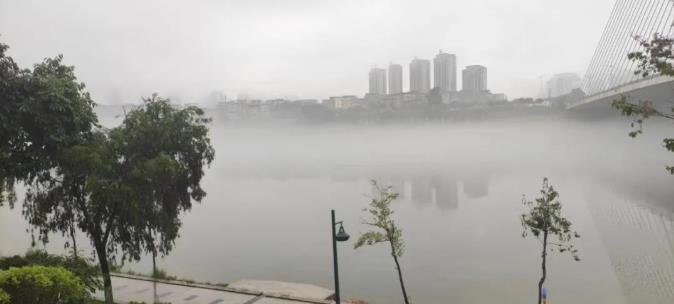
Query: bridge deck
{"x": 623, "y": 89}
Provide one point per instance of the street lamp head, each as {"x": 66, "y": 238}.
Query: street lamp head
{"x": 341, "y": 234}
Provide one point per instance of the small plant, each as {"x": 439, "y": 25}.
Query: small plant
{"x": 161, "y": 274}
{"x": 543, "y": 220}
{"x": 386, "y": 230}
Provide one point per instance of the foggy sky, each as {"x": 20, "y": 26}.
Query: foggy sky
{"x": 298, "y": 48}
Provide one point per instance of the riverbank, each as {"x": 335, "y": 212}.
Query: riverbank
{"x": 131, "y": 288}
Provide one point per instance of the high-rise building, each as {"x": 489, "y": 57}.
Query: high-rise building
{"x": 395, "y": 79}
{"x": 562, "y": 84}
{"x": 475, "y": 78}
{"x": 377, "y": 81}
{"x": 444, "y": 72}
{"x": 420, "y": 75}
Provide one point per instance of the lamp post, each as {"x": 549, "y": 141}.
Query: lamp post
{"x": 340, "y": 236}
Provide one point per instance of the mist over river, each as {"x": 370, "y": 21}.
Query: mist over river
{"x": 271, "y": 189}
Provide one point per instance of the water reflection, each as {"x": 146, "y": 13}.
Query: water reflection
{"x": 426, "y": 188}
{"x": 422, "y": 191}
{"x": 446, "y": 192}
{"x": 476, "y": 186}
{"x": 640, "y": 243}
{"x": 638, "y": 237}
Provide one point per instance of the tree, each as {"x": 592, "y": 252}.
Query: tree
{"x": 42, "y": 112}
{"x": 545, "y": 220}
{"x": 124, "y": 186}
{"x": 386, "y": 230}
{"x": 655, "y": 58}
{"x": 434, "y": 96}
{"x": 163, "y": 161}
{"x": 42, "y": 285}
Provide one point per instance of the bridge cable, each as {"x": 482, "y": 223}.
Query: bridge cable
{"x": 620, "y": 40}
{"x": 636, "y": 21}
{"x": 606, "y": 45}
{"x": 619, "y": 57}
{"x": 593, "y": 72}
{"x": 612, "y": 40}
{"x": 662, "y": 18}
{"x": 645, "y": 26}
{"x": 656, "y": 27}
{"x": 669, "y": 25}
{"x": 650, "y": 19}
{"x": 661, "y": 29}
{"x": 589, "y": 72}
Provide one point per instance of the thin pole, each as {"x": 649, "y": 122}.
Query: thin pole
{"x": 334, "y": 255}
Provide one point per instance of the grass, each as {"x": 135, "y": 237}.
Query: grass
{"x": 163, "y": 275}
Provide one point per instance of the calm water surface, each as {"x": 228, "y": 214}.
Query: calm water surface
{"x": 270, "y": 192}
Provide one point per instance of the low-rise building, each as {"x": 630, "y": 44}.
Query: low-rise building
{"x": 562, "y": 84}
{"x": 343, "y": 102}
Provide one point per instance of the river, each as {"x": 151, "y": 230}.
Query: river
{"x": 271, "y": 189}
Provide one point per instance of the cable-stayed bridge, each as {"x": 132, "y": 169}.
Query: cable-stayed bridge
{"x": 611, "y": 73}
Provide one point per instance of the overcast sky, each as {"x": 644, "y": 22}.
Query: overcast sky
{"x": 297, "y": 48}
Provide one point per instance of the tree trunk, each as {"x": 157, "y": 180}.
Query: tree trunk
{"x": 154, "y": 274}
{"x": 72, "y": 236}
{"x": 543, "y": 255}
{"x": 105, "y": 271}
{"x": 154, "y": 264}
{"x": 400, "y": 274}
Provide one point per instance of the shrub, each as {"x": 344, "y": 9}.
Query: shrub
{"x": 82, "y": 268}
{"x": 42, "y": 285}
{"x": 4, "y": 297}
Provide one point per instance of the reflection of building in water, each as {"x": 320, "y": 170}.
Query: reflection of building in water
{"x": 422, "y": 193}
{"x": 397, "y": 186}
{"x": 475, "y": 187}
{"x": 446, "y": 192}
{"x": 640, "y": 244}
{"x": 437, "y": 190}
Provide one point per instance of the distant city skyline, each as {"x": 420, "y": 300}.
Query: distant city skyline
{"x": 444, "y": 76}
{"x": 444, "y": 72}
{"x": 377, "y": 81}
{"x": 395, "y": 78}
{"x": 420, "y": 75}
{"x": 474, "y": 78}
{"x": 123, "y": 50}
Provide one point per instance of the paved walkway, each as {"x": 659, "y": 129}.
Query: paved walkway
{"x": 127, "y": 288}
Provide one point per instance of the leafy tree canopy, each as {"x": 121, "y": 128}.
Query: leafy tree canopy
{"x": 42, "y": 111}
{"x": 385, "y": 229}
{"x": 655, "y": 58}
{"x": 380, "y": 218}
{"x": 545, "y": 218}
{"x": 125, "y": 186}
{"x": 167, "y": 149}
